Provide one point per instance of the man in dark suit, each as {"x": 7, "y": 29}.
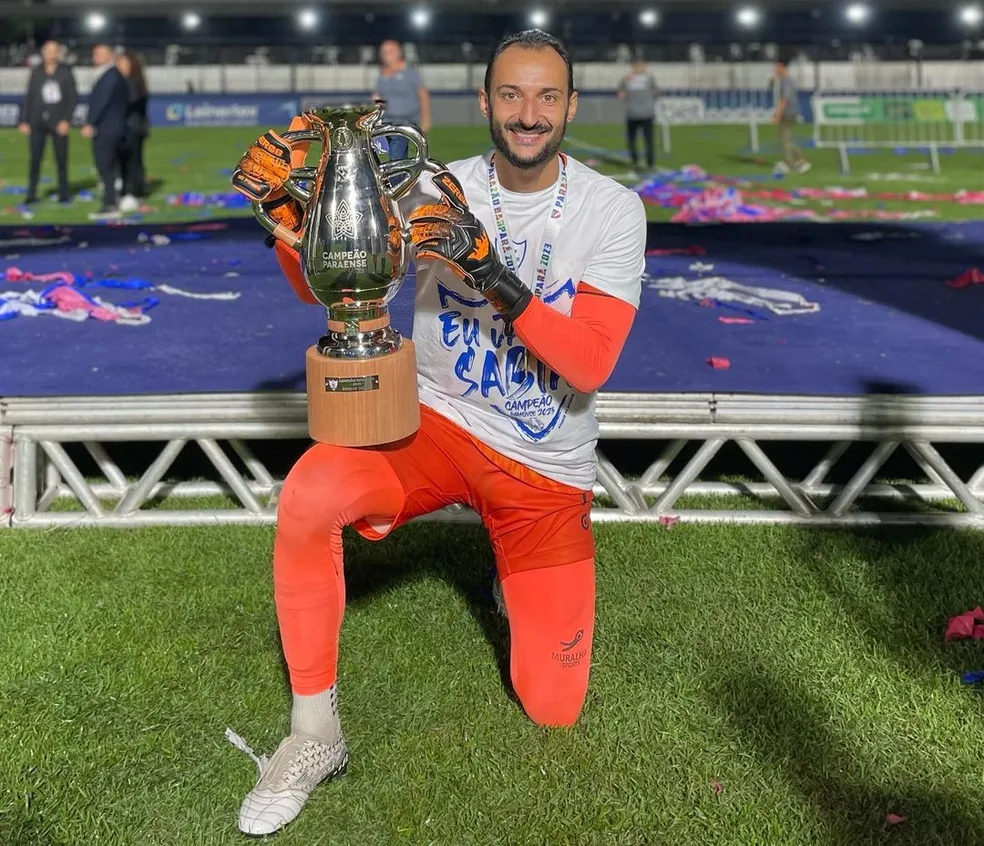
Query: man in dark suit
{"x": 48, "y": 105}
{"x": 106, "y": 124}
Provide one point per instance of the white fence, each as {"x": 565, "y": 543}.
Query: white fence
{"x": 917, "y": 120}
{"x": 260, "y": 78}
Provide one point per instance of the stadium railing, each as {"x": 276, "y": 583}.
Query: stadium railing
{"x": 917, "y": 120}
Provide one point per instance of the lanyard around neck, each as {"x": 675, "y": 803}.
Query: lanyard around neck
{"x": 550, "y": 230}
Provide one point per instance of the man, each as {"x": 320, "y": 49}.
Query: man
{"x": 48, "y": 106}
{"x": 402, "y": 89}
{"x": 639, "y": 91}
{"x": 529, "y": 268}
{"x": 787, "y": 116}
{"x": 106, "y": 124}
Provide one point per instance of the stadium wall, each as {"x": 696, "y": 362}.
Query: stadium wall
{"x": 280, "y": 79}
{"x": 447, "y": 108}
{"x": 246, "y": 95}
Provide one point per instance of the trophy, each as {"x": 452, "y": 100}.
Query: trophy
{"x": 354, "y": 247}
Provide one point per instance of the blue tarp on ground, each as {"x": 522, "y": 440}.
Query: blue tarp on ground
{"x": 835, "y": 309}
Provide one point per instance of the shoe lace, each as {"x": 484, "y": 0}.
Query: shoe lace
{"x": 243, "y": 746}
{"x": 313, "y": 755}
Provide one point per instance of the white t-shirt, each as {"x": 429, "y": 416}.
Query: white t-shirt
{"x": 471, "y": 372}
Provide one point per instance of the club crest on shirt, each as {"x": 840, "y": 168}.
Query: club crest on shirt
{"x": 519, "y": 250}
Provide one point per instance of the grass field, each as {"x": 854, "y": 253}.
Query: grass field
{"x": 194, "y": 160}
{"x": 750, "y": 686}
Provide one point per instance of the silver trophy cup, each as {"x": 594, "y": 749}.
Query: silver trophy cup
{"x": 355, "y": 250}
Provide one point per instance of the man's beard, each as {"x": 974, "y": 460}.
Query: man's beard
{"x": 547, "y": 152}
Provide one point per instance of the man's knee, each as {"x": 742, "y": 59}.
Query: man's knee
{"x": 327, "y": 482}
{"x": 552, "y": 700}
{"x": 319, "y": 485}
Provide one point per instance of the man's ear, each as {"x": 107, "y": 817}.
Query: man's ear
{"x": 483, "y": 103}
{"x": 572, "y": 106}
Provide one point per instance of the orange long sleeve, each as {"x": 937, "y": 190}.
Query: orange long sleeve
{"x": 584, "y": 347}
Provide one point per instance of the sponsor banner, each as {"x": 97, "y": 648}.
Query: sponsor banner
{"x": 896, "y": 108}
{"x": 10, "y": 109}
{"x": 197, "y": 110}
{"x": 223, "y": 110}
{"x": 721, "y": 107}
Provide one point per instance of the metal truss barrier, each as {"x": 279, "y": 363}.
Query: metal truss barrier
{"x": 41, "y": 485}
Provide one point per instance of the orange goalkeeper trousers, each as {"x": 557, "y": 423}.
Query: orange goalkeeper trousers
{"x": 540, "y": 532}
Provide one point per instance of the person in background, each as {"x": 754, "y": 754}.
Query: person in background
{"x": 106, "y": 124}
{"x": 48, "y": 106}
{"x": 406, "y": 99}
{"x": 639, "y": 90}
{"x": 137, "y": 129}
{"x": 787, "y": 115}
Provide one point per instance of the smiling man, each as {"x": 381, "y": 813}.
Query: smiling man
{"x": 529, "y": 269}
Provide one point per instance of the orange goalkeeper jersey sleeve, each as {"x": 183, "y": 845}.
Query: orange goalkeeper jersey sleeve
{"x": 584, "y": 347}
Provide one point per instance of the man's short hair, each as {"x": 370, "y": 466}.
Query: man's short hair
{"x": 531, "y": 39}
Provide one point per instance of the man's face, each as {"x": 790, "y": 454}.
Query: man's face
{"x": 528, "y": 105}
{"x": 780, "y": 71}
{"x": 101, "y": 55}
{"x": 389, "y": 53}
{"x": 49, "y": 51}
{"x": 638, "y": 67}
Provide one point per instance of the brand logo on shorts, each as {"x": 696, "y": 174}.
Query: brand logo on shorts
{"x": 569, "y": 655}
{"x": 567, "y": 647}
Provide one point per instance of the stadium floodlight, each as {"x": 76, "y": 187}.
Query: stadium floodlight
{"x": 649, "y": 17}
{"x": 971, "y": 15}
{"x": 748, "y": 17}
{"x": 857, "y": 13}
{"x": 539, "y": 18}
{"x": 307, "y": 19}
{"x": 420, "y": 18}
{"x": 95, "y": 22}
{"x": 191, "y": 20}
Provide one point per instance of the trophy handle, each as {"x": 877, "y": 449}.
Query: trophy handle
{"x": 301, "y": 174}
{"x": 411, "y": 168}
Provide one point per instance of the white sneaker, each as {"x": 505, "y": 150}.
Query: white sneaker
{"x": 129, "y": 203}
{"x": 781, "y": 167}
{"x": 286, "y": 780}
{"x": 803, "y": 167}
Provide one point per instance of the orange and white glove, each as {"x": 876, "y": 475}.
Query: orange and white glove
{"x": 448, "y": 232}
{"x": 264, "y": 169}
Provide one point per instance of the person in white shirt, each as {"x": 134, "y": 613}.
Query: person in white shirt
{"x": 529, "y": 268}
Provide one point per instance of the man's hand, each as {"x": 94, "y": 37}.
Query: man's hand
{"x": 448, "y": 232}
{"x": 286, "y": 211}
{"x": 63, "y": 127}
{"x": 24, "y": 128}
{"x": 88, "y": 131}
{"x": 264, "y": 168}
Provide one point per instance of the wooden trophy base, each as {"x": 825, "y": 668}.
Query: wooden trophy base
{"x": 363, "y": 402}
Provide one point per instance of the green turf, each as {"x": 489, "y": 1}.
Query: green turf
{"x": 180, "y": 160}
{"x": 804, "y": 672}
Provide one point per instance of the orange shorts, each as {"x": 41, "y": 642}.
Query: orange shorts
{"x": 532, "y": 521}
